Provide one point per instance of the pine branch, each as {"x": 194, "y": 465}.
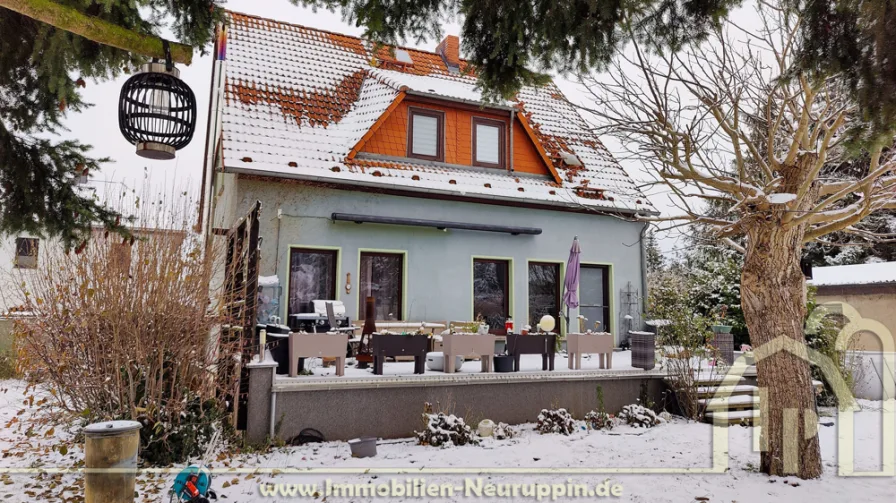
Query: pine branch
{"x": 102, "y": 32}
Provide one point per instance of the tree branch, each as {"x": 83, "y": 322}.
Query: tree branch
{"x": 100, "y": 31}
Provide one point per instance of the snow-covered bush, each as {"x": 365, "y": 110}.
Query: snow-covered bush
{"x": 639, "y": 416}
{"x": 504, "y": 431}
{"x": 445, "y": 430}
{"x": 555, "y": 421}
{"x": 599, "y": 420}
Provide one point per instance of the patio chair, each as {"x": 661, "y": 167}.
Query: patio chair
{"x": 353, "y": 341}
{"x": 334, "y": 323}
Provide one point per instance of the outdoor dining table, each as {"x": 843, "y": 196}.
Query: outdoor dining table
{"x": 395, "y": 345}
{"x": 532, "y": 344}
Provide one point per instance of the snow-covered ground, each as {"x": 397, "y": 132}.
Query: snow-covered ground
{"x": 678, "y": 444}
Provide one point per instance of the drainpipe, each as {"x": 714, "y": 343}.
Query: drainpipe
{"x": 643, "y": 272}
{"x": 277, "y": 263}
{"x": 277, "y": 249}
{"x": 273, "y": 412}
{"x": 510, "y": 157}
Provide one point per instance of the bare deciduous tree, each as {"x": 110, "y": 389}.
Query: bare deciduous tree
{"x": 734, "y": 120}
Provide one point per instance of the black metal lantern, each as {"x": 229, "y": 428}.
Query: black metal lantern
{"x": 157, "y": 111}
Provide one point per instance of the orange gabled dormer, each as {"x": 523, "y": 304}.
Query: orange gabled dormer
{"x": 417, "y": 128}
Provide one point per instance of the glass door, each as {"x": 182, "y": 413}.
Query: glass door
{"x": 491, "y": 293}
{"x": 594, "y": 296}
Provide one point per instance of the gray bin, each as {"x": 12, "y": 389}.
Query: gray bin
{"x": 363, "y": 447}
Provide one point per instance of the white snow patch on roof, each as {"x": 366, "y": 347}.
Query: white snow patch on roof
{"x": 298, "y": 100}
{"x": 860, "y": 274}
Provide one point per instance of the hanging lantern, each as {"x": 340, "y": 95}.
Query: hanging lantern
{"x": 157, "y": 110}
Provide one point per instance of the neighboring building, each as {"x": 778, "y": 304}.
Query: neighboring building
{"x": 19, "y": 256}
{"x": 386, "y": 174}
{"x": 869, "y": 288}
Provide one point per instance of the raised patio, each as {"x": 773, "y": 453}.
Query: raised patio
{"x": 389, "y": 405}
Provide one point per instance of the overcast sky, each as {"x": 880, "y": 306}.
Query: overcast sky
{"x": 98, "y": 126}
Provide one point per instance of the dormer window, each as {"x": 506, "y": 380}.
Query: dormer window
{"x": 488, "y": 143}
{"x": 426, "y": 134}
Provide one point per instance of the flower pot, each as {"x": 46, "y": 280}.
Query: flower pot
{"x": 503, "y": 363}
{"x": 721, "y": 329}
{"x": 363, "y": 447}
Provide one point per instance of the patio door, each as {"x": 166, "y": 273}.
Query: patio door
{"x": 381, "y": 278}
{"x": 544, "y": 291}
{"x": 491, "y": 293}
{"x": 312, "y": 276}
{"x": 594, "y": 295}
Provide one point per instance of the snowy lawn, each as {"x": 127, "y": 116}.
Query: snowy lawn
{"x": 677, "y": 444}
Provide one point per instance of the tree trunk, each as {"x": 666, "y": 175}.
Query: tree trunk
{"x": 774, "y": 305}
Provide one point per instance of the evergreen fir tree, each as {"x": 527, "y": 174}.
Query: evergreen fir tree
{"x": 510, "y": 43}
{"x": 41, "y": 71}
{"x": 653, "y": 254}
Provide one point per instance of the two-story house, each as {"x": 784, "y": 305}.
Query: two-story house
{"x": 385, "y": 173}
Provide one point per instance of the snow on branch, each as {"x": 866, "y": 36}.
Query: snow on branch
{"x": 730, "y": 119}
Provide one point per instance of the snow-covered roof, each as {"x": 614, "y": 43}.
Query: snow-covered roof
{"x": 297, "y": 100}
{"x": 860, "y": 274}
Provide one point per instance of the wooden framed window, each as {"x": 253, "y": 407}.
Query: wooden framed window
{"x": 382, "y": 277}
{"x": 544, "y": 291}
{"x": 594, "y": 295}
{"x": 488, "y": 143}
{"x": 426, "y": 134}
{"x": 26, "y": 253}
{"x": 491, "y": 292}
{"x": 312, "y": 276}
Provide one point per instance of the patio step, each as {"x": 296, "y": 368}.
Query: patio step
{"x": 717, "y": 380}
{"x": 707, "y": 381}
{"x": 738, "y": 402}
{"x": 735, "y": 390}
{"x": 750, "y": 416}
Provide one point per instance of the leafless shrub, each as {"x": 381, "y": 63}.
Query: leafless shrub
{"x": 123, "y": 329}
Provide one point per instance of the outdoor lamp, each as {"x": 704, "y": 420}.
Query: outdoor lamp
{"x": 157, "y": 110}
{"x": 547, "y": 323}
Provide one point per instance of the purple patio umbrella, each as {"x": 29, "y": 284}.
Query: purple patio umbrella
{"x": 571, "y": 282}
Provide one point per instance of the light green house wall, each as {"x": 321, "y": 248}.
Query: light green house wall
{"x": 438, "y": 264}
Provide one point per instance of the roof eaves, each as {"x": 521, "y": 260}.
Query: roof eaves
{"x": 541, "y": 151}
{"x": 441, "y": 97}
{"x": 434, "y": 191}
